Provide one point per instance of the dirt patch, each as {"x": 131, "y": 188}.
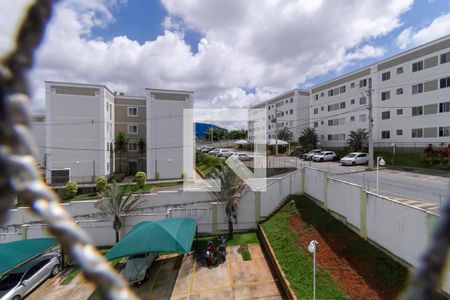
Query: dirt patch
{"x": 358, "y": 283}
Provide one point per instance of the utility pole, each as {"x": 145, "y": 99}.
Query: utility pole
{"x": 370, "y": 125}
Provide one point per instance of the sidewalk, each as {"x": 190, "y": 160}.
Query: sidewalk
{"x": 422, "y": 171}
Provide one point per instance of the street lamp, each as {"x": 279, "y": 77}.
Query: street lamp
{"x": 380, "y": 162}
{"x": 312, "y": 248}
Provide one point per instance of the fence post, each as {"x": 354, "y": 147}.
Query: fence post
{"x": 363, "y": 213}
{"x": 24, "y": 232}
{"x": 302, "y": 178}
{"x": 325, "y": 194}
{"x": 257, "y": 207}
{"x": 214, "y": 217}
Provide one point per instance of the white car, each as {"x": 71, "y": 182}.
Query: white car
{"x": 137, "y": 269}
{"x": 223, "y": 153}
{"x": 325, "y": 156}
{"x": 18, "y": 283}
{"x": 355, "y": 158}
{"x": 242, "y": 156}
{"x": 310, "y": 154}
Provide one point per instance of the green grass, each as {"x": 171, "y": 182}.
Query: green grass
{"x": 296, "y": 263}
{"x": 409, "y": 159}
{"x": 85, "y": 196}
{"x": 246, "y": 256}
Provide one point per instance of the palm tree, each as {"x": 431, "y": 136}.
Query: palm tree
{"x": 116, "y": 202}
{"x": 284, "y": 134}
{"x": 358, "y": 140}
{"x": 308, "y": 139}
{"x": 121, "y": 147}
{"x": 230, "y": 193}
{"x": 142, "y": 148}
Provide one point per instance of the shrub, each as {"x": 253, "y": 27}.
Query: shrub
{"x": 71, "y": 189}
{"x": 100, "y": 183}
{"x": 140, "y": 178}
{"x": 117, "y": 177}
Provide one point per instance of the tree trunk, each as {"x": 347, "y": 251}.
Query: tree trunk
{"x": 230, "y": 229}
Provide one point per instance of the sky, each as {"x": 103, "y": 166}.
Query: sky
{"x": 231, "y": 53}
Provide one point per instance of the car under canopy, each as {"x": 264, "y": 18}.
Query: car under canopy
{"x": 168, "y": 235}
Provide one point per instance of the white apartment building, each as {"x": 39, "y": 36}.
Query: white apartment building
{"x": 79, "y": 131}
{"x": 410, "y": 100}
{"x": 165, "y": 132}
{"x": 290, "y": 110}
{"x": 38, "y": 130}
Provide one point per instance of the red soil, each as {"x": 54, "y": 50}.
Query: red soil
{"x": 355, "y": 285}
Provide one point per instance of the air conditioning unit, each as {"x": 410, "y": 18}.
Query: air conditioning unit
{"x": 60, "y": 176}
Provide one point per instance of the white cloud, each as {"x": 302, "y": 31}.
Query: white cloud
{"x": 410, "y": 37}
{"x": 262, "y": 46}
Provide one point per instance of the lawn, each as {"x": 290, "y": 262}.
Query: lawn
{"x": 148, "y": 187}
{"x": 409, "y": 159}
{"x": 349, "y": 266}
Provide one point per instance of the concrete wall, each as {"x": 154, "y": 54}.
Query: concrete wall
{"x": 315, "y": 181}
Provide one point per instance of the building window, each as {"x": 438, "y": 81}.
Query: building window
{"x": 444, "y": 131}
{"x": 110, "y": 111}
{"x": 342, "y": 105}
{"x": 399, "y": 91}
{"x": 385, "y": 134}
{"x": 352, "y": 85}
{"x": 292, "y": 99}
{"x": 417, "y": 110}
{"x": 445, "y": 58}
{"x": 132, "y": 111}
{"x": 417, "y": 133}
{"x": 342, "y": 121}
{"x": 386, "y": 76}
{"x": 322, "y": 108}
{"x": 399, "y": 70}
{"x": 385, "y": 115}
{"x": 316, "y": 97}
{"x": 445, "y": 82}
{"x": 399, "y": 132}
{"x": 322, "y": 94}
{"x": 362, "y": 82}
{"x": 316, "y": 124}
{"x": 342, "y": 89}
{"x": 132, "y": 129}
{"x": 330, "y": 93}
{"x": 417, "y": 66}
{"x": 316, "y": 111}
{"x": 363, "y": 100}
{"x": 399, "y": 111}
{"x": 385, "y": 95}
{"x": 352, "y": 119}
{"x": 291, "y": 111}
{"x": 287, "y": 100}
{"x": 352, "y": 101}
{"x": 444, "y": 107}
{"x": 132, "y": 146}
{"x": 321, "y": 123}
{"x": 417, "y": 88}
{"x": 362, "y": 118}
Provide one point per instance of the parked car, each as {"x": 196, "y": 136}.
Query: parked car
{"x": 20, "y": 282}
{"x": 325, "y": 156}
{"x": 215, "y": 151}
{"x": 355, "y": 158}
{"x": 310, "y": 154}
{"x": 226, "y": 155}
{"x": 208, "y": 149}
{"x": 223, "y": 153}
{"x": 137, "y": 269}
{"x": 242, "y": 156}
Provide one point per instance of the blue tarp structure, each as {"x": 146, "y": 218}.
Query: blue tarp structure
{"x": 16, "y": 253}
{"x": 168, "y": 235}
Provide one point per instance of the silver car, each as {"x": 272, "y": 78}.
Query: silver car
{"x": 18, "y": 283}
{"x": 355, "y": 158}
{"x": 137, "y": 269}
{"x": 325, "y": 156}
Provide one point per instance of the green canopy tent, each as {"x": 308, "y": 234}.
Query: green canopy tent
{"x": 168, "y": 235}
{"x": 14, "y": 254}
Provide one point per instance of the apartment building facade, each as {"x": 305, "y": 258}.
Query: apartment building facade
{"x": 82, "y": 122}
{"x": 290, "y": 110}
{"x": 410, "y": 100}
{"x": 131, "y": 120}
{"x": 165, "y": 132}
{"x": 79, "y": 130}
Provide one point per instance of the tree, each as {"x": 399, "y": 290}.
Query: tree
{"x": 117, "y": 202}
{"x": 358, "y": 140}
{"x": 121, "y": 147}
{"x": 142, "y": 148}
{"x": 308, "y": 139}
{"x": 216, "y": 132}
{"x": 284, "y": 134}
{"x": 231, "y": 187}
{"x": 237, "y": 134}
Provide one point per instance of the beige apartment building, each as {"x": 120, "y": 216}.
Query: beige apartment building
{"x": 131, "y": 120}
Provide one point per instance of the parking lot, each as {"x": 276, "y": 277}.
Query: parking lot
{"x": 186, "y": 277}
